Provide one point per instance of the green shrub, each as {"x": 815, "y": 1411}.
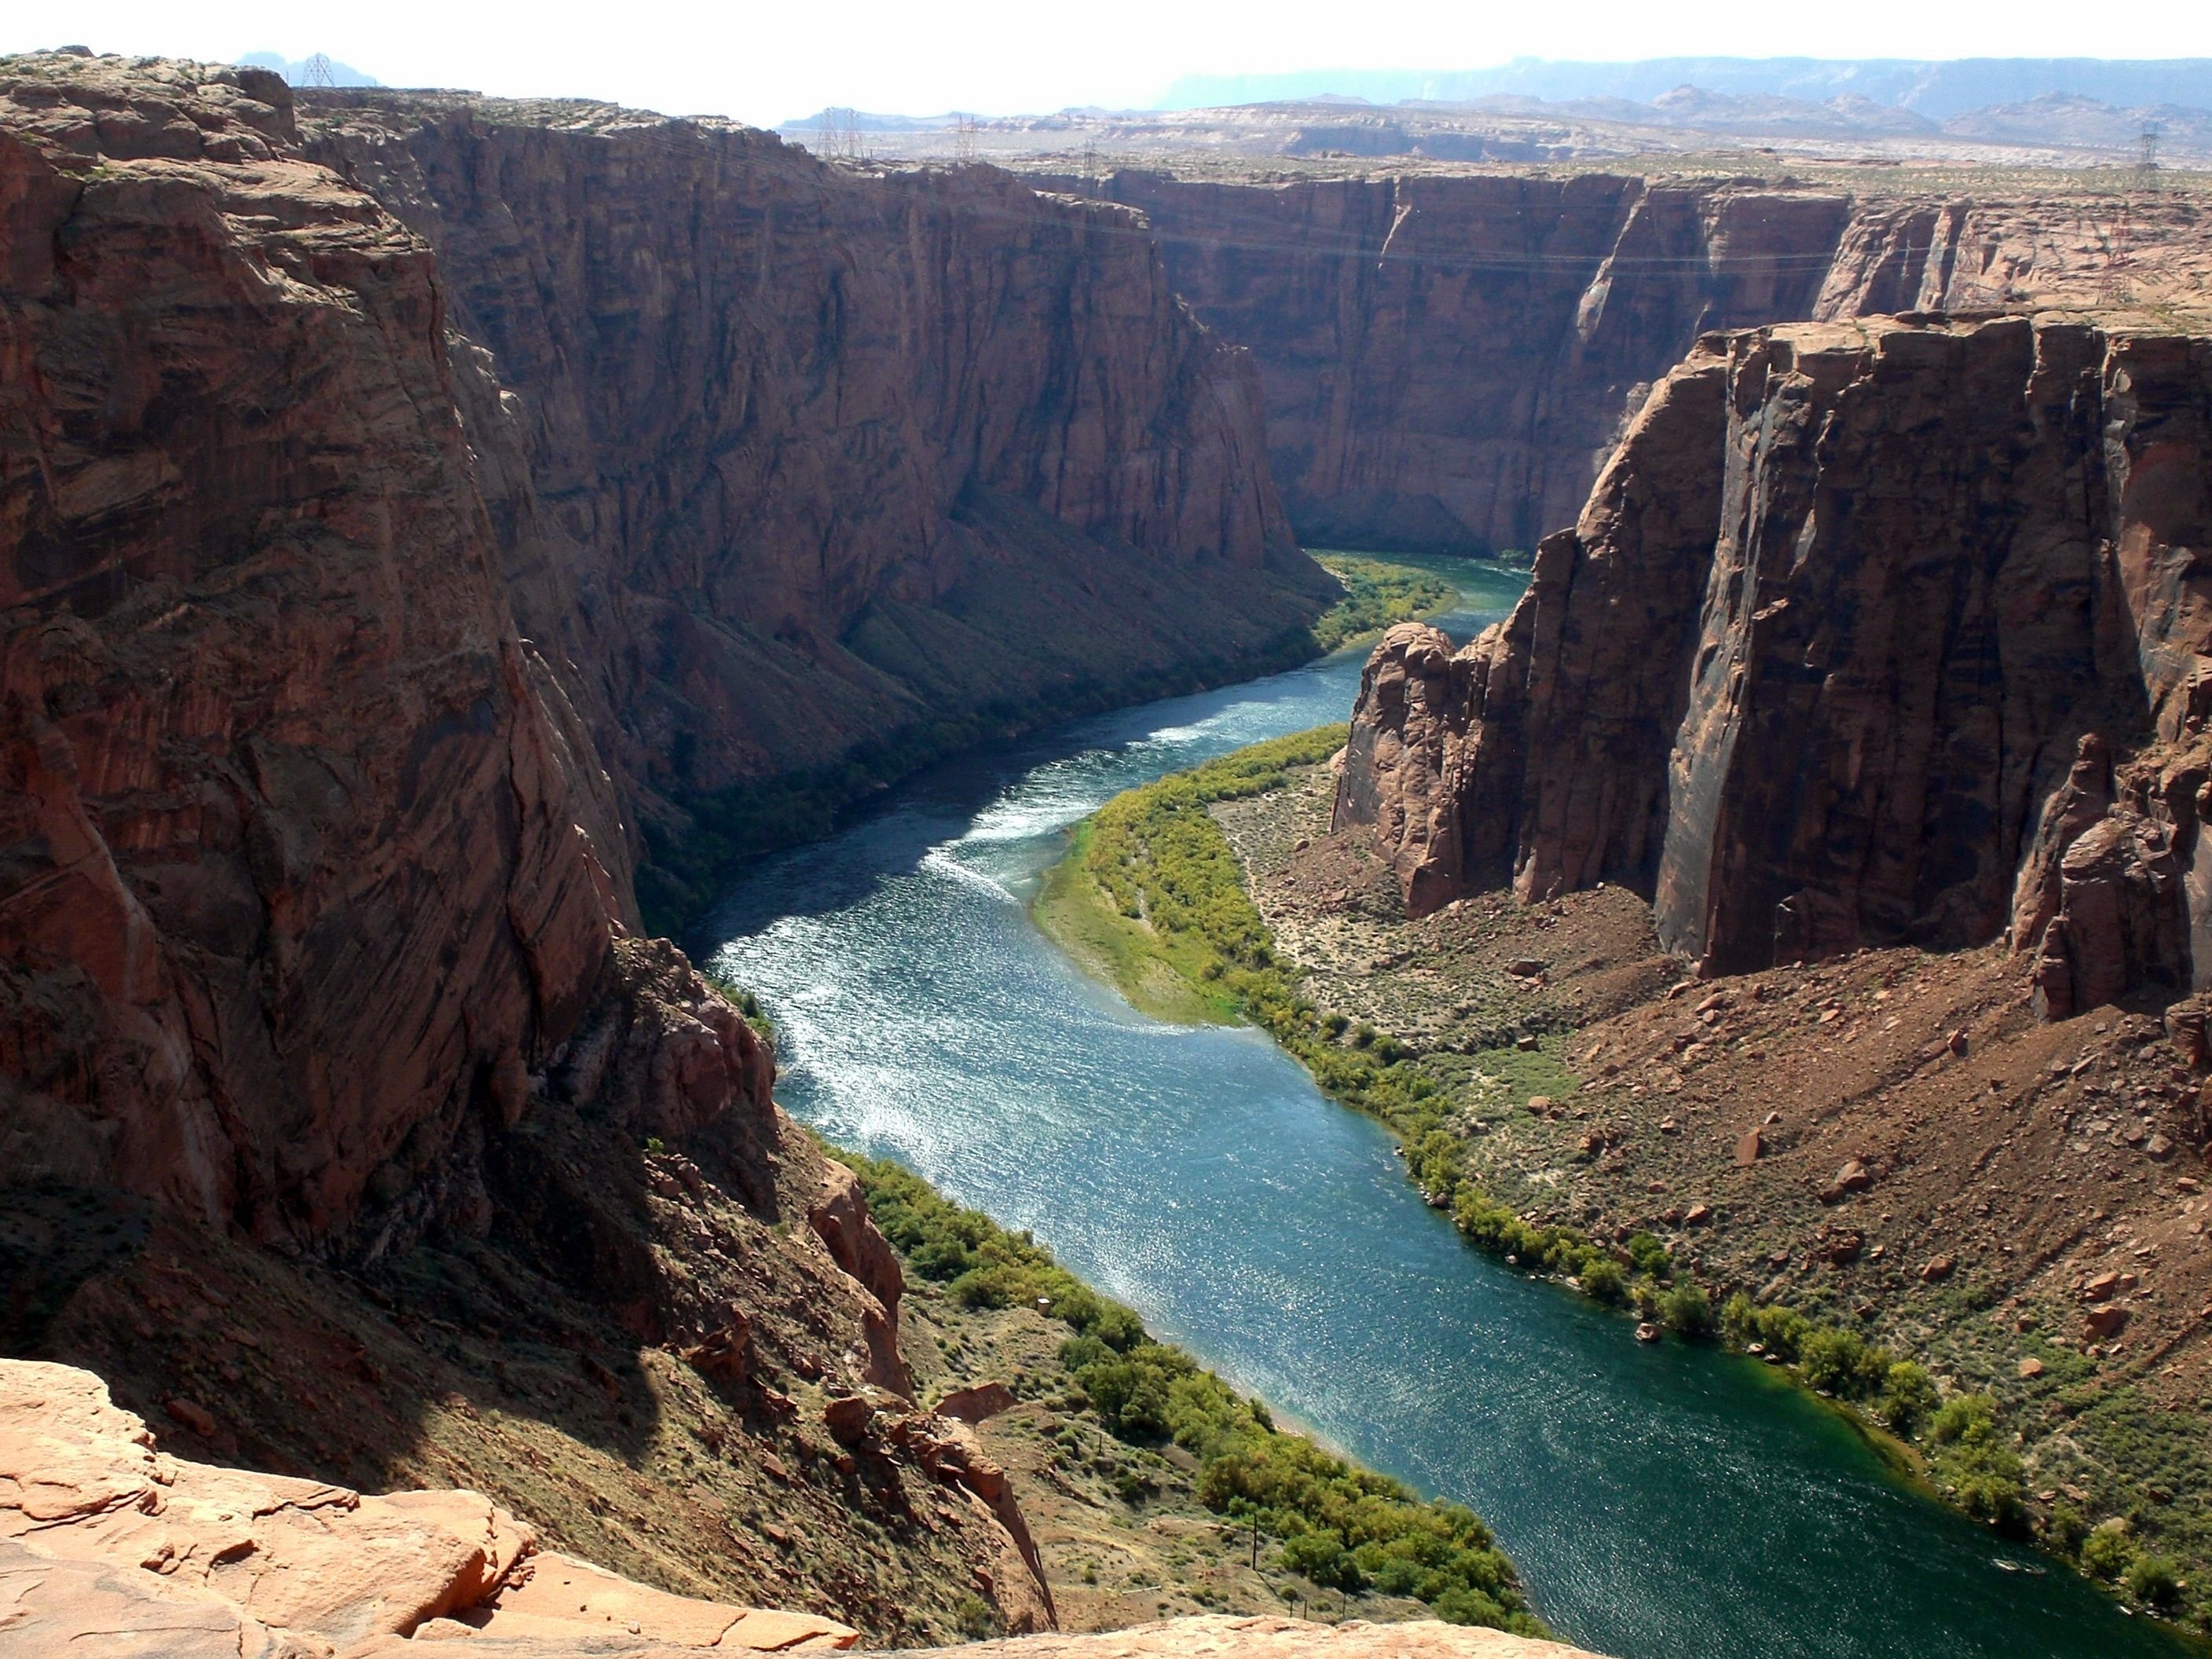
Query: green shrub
{"x": 2063, "y": 1532}
{"x": 2154, "y": 1579}
{"x": 1648, "y": 1256}
{"x": 1984, "y": 1477}
{"x": 2108, "y": 1553}
{"x": 974, "y": 1617}
{"x": 1908, "y": 1398}
{"x": 1602, "y": 1277}
{"x": 1686, "y": 1307}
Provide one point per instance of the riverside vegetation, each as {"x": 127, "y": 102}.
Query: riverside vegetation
{"x": 1333, "y": 1526}
{"x": 1152, "y": 895}
{"x": 689, "y": 862}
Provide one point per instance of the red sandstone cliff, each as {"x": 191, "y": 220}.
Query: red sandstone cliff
{"x": 1868, "y": 633}
{"x": 337, "y": 674}
{"x": 1447, "y": 361}
{"x": 305, "y": 850}
{"x": 821, "y": 455}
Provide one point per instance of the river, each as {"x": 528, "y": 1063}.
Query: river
{"x": 1668, "y": 1501}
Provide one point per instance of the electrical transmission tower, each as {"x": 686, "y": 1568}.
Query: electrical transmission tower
{"x": 2146, "y": 158}
{"x": 2113, "y": 291}
{"x": 837, "y": 136}
{"x": 1091, "y": 167}
{"x": 963, "y": 138}
{"x": 319, "y": 72}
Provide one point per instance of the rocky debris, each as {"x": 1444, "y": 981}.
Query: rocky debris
{"x": 1643, "y": 716}
{"x": 1749, "y": 1146}
{"x": 1266, "y": 1637}
{"x": 2103, "y": 1323}
{"x": 101, "y": 1532}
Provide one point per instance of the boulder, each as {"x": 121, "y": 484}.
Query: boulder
{"x": 976, "y": 1403}
{"x": 2105, "y": 1322}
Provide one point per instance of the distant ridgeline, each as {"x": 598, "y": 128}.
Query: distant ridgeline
{"x": 1934, "y": 89}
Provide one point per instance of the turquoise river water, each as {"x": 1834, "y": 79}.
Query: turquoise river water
{"x": 1670, "y": 1502}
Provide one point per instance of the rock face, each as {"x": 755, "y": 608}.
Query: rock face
{"x": 1842, "y": 651}
{"x": 343, "y": 678}
{"x": 306, "y": 848}
{"x": 822, "y": 456}
{"x": 1447, "y": 362}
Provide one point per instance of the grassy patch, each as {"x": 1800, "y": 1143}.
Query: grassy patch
{"x": 1333, "y": 1523}
{"x": 1149, "y": 897}
{"x": 1076, "y": 913}
{"x": 1378, "y": 593}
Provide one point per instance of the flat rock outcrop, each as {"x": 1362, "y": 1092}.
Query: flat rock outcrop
{"x": 106, "y": 1540}
{"x": 1223, "y": 1637}
{"x": 1868, "y": 633}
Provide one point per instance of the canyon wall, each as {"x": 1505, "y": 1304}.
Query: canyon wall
{"x": 306, "y": 847}
{"x": 345, "y": 674}
{"x": 1447, "y": 361}
{"x": 823, "y": 457}
{"x": 1869, "y": 633}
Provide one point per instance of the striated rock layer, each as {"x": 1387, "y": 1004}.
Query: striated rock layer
{"x": 1447, "y": 360}
{"x": 1868, "y": 633}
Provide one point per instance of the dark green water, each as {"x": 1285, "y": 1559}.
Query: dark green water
{"x": 1661, "y": 1501}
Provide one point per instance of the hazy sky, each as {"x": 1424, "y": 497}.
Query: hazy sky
{"x": 769, "y": 63}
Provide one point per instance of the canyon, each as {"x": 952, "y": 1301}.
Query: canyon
{"x": 444, "y": 533}
{"x": 335, "y": 1056}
